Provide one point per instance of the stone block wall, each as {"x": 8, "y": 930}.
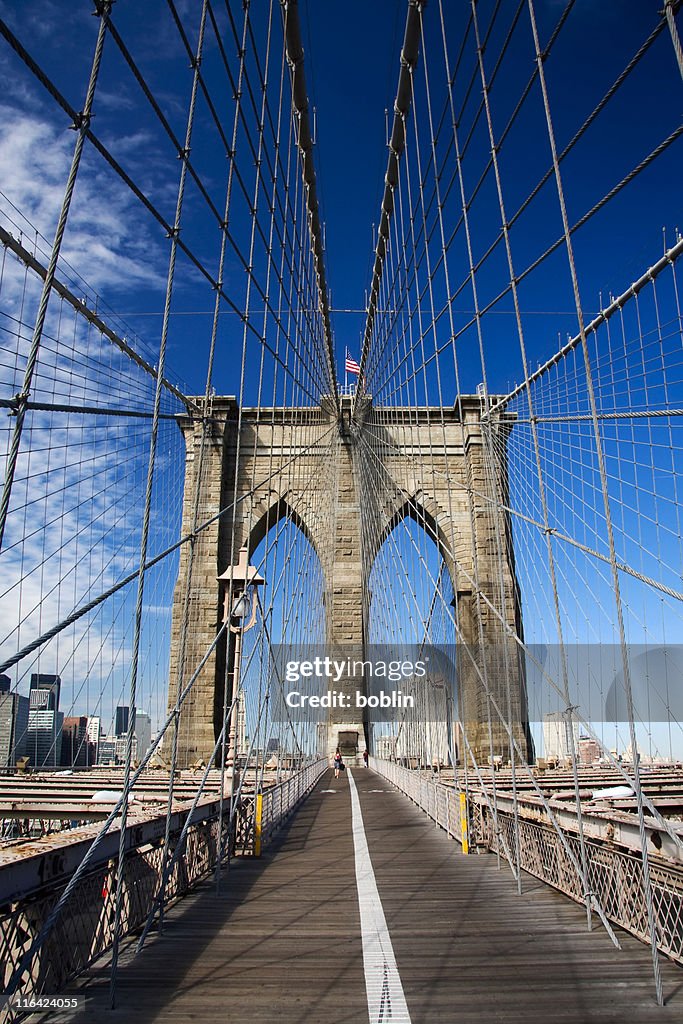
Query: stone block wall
{"x": 346, "y": 485}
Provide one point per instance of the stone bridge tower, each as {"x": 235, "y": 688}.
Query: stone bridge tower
{"x": 258, "y": 465}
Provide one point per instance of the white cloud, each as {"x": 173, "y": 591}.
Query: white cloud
{"x": 105, "y": 240}
{"x": 75, "y": 523}
{"x": 114, "y": 100}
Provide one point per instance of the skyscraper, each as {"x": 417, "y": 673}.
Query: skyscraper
{"x": 76, "y": 750}
{"x": 122, "y": 719}
{"x": 142, "y": 735}
{"x": 44, "y": 739}
{"x": 143, "y": 732}
{"x": 13, "y": 725}
{"x": 45, "y": 689}
{"x": 94, "y": 730}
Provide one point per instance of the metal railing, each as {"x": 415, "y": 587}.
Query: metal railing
{"x": 441, "y": 803}
{"x": 615, "y": 873}
{"x": 84, "y": 931}
{"x": 280, "y": 801}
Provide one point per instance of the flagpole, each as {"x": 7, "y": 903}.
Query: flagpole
{"x": 346, "y": 372}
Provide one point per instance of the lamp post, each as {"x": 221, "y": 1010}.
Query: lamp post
{"x": 239, "y": 613}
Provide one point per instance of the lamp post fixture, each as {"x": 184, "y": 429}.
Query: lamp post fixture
{"x": 239, "y": 613}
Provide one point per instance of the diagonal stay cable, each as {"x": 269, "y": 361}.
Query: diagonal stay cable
{"x": 81, "y": 122}
{"x": 78, "y": 613}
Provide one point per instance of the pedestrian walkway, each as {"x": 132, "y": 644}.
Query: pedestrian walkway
{"x": 286, "y": 942}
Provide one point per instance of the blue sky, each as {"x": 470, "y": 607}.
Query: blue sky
{"x": 354, "y": 81}
{"x": 352, "y": 68}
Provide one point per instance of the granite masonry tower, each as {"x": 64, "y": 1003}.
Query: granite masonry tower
{"x": 430, "y": 464}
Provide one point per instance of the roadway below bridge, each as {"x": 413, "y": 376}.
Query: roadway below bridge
{"x": 362, "y": 909}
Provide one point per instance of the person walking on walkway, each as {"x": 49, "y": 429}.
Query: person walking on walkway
{"x": 338, "y": 763}
{"x": 365, "y": 758}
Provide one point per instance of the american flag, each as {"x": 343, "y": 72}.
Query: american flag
{"x": 352, "y": 366}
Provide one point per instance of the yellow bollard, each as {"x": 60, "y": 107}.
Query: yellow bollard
{"x": 463, "y": 824}
{"x": 258, "y": 817}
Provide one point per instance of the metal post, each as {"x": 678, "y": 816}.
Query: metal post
{"x": 464, "y": 824}
{"x": 239, "y": 614}
{"x": 258, "y": 824}
{"x": 232, "y": 732}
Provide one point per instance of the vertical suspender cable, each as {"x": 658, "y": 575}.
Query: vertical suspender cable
{"x": 647, "y": 883}
{"x": 669, "y": 9}
{"x": 536, "y": 445}
{"x": 148, "y": 506}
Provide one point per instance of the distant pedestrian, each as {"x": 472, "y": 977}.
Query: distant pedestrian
{"x": 365, "y": 758}
{"x": 338, "y": 763}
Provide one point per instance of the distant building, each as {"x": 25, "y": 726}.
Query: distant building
{"x": 44, "y": 734}
{"x": 137, "y": 750}
{"x": 106, "y": 750}
{"x": 13, "y": 727}
{"x": 556, "y": 736}
{"x": 425, "y": 730}
{"x": 642, "y": 758}
{"x": 120, "y": 749}
{"x": 44, "y": 691}
{"x": 385, "y": 748}
{"x": 589, "y": 750}
{"x": 94, "y": 730}
{"x": 113, "y": 748}
{"x": 143, "y": 732}
{"x": 77, "y": 750}
{"x": 5, "y": 684}
{"x": 122, "y": 719}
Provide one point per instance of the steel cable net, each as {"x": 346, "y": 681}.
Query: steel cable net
{"x": 81, "y": 474}
{"x": 475, "y": 248}
{"x": 515, "y": 454}
{"x": 518, "y": 413}
{"x": 179, "y": 214}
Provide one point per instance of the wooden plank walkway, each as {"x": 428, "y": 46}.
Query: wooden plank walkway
{"x": 282, "y": 943}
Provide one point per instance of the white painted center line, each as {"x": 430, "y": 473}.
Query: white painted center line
{"x": 386, "y": 1000}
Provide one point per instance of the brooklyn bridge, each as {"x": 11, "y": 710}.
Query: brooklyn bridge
{"x": 341, "y": 674}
